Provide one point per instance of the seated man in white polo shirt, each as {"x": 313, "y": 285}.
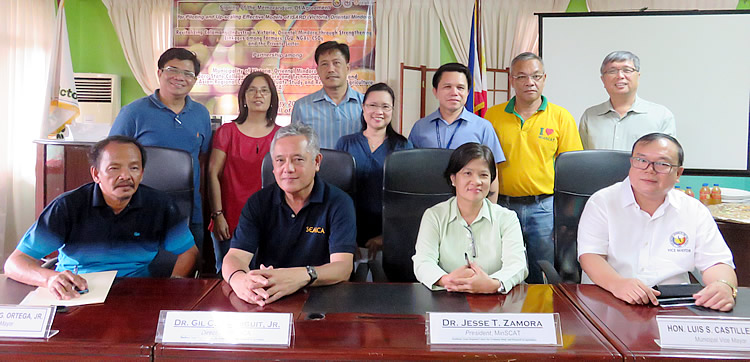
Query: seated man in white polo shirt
{"x": 641, "y": 232}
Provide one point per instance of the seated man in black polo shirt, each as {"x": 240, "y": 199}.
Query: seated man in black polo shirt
{"x": 110, "y": 224}
{"x": 301, "y": 230}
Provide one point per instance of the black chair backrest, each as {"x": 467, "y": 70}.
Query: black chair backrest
{"x": 578, "y": 175}
{"x": 170, "y": 171}
{"x": 412, "y": 182}
{"x": 337, "y": 168}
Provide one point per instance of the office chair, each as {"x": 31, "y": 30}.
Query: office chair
{"x": 578, "y": 174}
{"x": 337, "y": 168}
{"x": 412, "y": 182}
{"x": 171, "y": 171}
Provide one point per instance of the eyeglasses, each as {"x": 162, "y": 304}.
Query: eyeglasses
{"x": 473, "y": 246}
{"x": 177, "y": 71}
{"x": 659, "y": 167}
{"x": 374, "y": 107}
{"x": 524, "y": 77}
{"x": 624, "y": 70}
{"x": 263, "y": 91}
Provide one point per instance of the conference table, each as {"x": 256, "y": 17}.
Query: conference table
{"x": 121, "y": 328}
{"x": 632, "y": 329}
{"x": 387, "y": 322}
{"x": 352, "y": 321}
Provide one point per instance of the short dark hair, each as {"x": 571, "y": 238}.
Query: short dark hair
{"x": 95, "y": 152}
{"x": 466, "y": 153}
{"x": 451, "y": 67}
{"x": 651, "y": 137}
{"x": 526, "y": 56}
{"x": 393, "y": 138}
{"x": 331, "y": 46}
{"x": 273, "y": 108}
{"x": 180, "y": 54}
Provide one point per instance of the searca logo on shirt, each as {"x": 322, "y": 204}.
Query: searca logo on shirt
{"x": 546, "y": 134}
{"x": 315, "y": 230}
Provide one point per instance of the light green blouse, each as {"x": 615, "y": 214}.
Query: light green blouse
{"x": 444, "y": 237}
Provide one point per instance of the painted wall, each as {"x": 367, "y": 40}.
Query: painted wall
{"x": 94, "y": 46}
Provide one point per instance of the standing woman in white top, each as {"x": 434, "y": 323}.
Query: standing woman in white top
{"x": 467, "y": 243}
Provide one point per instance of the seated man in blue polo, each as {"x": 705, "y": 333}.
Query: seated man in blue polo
{"x": 112, "y": 223}
{"x": 452, "y": 125}
{"x": 301, "y": 230}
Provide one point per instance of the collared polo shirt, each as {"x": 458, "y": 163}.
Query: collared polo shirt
{"x": 434, "y": 132}
{"x": 88, "y": 234}
{"x": 444, "y": 237}
{"x": 602, "y": 128}
{"x": 658, "y": 249}
{"x": 153, "y": 124}
{"x": 278, "y": 237}
{"x": 531, "y": 146}
{"x": 330, "y": 120}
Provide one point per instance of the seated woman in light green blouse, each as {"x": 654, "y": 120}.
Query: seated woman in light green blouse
{"x": 468, "y": 228}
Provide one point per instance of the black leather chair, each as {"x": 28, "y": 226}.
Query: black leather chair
{"x": 413, "y": 181}
{"x": 171, "y": 171}
{"x": 337, "y": 168}
{"x": 578, "y": 175}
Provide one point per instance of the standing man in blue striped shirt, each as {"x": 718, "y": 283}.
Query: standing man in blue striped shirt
{"x": 334, "y": 110}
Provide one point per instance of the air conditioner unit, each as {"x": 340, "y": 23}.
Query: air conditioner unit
{"x": 98, "y": 97}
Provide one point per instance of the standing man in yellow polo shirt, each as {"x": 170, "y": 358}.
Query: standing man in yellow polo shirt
{"x": 532, "y": 133}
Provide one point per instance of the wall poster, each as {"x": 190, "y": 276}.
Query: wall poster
{"x": 235, "y": 38}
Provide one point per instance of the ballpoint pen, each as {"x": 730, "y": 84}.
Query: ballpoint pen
{"x": 84, "y": 291}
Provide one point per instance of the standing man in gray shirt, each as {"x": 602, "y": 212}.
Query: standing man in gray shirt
{"x": 625, "y": 117}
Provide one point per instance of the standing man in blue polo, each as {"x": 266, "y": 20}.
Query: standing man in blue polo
{"x": 170, "y": 118}
{"x": 301, "y": 230}
{"x": 335, "y": 110}
{"x": 452, "y": 125}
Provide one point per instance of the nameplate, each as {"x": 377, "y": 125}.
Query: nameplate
{"x": 701, "y": 332}
{"x": 26, "y": 322}
{"x": 494, "y": 328}
{"x": 181, "y": 327}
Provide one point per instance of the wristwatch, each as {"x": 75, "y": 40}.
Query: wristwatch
{"x": 501, "y": 290}
{"x": 734, "y": 289}
{"x": 312, "y": 273}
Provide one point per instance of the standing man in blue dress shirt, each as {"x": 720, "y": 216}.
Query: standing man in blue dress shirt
{"x": 170, "y": 118}
{"x": 452, "y": 125}
{"x": 334, "y": 110}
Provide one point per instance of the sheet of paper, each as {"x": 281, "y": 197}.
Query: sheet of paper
{"x": 99, "y": 284}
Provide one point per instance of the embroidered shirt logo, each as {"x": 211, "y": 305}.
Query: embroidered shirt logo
{"x": 315, "y": 230}
{"x": 678, "y": 239}
{"x": 546, "y": 134}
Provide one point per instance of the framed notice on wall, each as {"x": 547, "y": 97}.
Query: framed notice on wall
{"x": 235, "y": 38}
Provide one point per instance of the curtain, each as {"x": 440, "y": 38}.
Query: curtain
{"x": 26, "y": 37}
{"x": 143, "y": 27}
{"x": 408, "y": 32}
{"x": 512, "y": 28}
{"x": 455, "y": 15}
{"x": 614, "y": 5}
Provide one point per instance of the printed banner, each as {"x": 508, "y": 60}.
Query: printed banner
{"x": 233, "y": 39}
